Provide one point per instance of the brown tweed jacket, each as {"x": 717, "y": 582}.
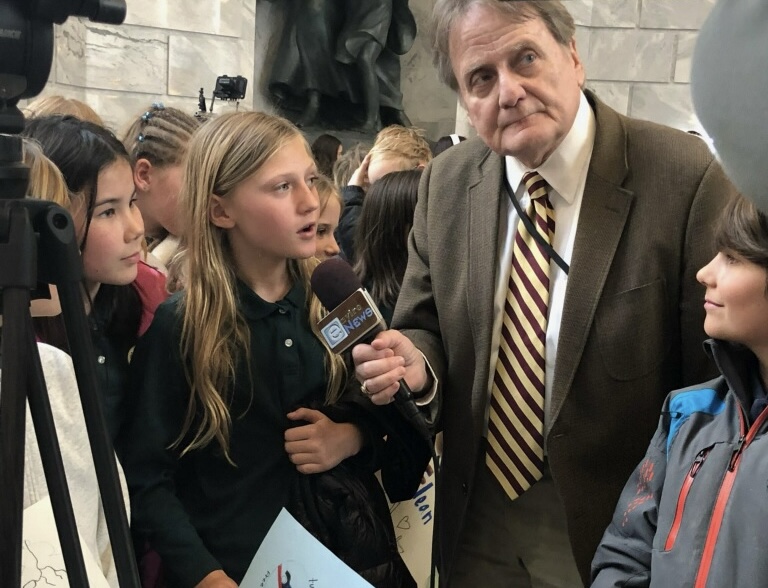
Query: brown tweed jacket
{"x": 632, "y": 326}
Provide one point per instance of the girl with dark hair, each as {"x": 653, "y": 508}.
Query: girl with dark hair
{"x": 47, "y": 183}
{"x": 120, "y": 292}
{"x": 381, "y": 240}
{"x": 694, "y": 509}
{"x": 326, "y": 150}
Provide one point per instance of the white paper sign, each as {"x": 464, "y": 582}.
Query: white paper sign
{"x": 42, "y": 563}
{"x": 290, "y": 557}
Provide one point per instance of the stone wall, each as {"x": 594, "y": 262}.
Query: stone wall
{"x": 637, "y": 54}
{"x": 165, "y": 51}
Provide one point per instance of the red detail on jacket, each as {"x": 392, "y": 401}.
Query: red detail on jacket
{"x": 724, "y": 494}
{"x": 643, "y": 494}
{"x": 683, "y": 497}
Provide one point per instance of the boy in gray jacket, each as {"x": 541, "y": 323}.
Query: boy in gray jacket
{"x": 695, "y": 511}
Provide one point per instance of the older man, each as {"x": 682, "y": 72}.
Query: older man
{"x": 551, "y": 288}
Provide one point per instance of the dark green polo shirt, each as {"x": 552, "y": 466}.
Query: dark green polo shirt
{"x": 112, "y": 354}
{"x": 199, "y": 512}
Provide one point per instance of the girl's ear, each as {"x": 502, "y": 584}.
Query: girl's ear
{"x": 142, "y": 174}
{"x": 217, "y": 212}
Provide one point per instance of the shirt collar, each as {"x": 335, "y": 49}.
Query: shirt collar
{"x": 254, "y": 307}
{"x": 562, "y": 170}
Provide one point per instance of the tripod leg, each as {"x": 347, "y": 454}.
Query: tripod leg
{"x": 104, "y": 460}
{"x": 12, "y": 425}
{"x": 23, "y": 378}
{"x": 50, "y": 453}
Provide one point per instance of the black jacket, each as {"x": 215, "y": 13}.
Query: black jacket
{"x": 345, "y": 507}
{"x": 345, "y": 234}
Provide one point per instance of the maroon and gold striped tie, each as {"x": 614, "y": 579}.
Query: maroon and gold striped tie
{"x": 515, "y": 452}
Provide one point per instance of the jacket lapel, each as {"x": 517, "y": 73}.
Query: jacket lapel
{"x": 604, "y": 212}
{"x": 483, "y": 226}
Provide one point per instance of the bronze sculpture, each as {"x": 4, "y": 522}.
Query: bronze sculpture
{"x": 342, "y": 57}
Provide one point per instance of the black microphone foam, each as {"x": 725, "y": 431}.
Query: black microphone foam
{"x": 333, "y": 281}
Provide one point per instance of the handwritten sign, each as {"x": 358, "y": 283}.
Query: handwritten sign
{"x": 413, "y": 522}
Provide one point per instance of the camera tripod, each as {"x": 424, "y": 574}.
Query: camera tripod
{"x": 38, "y": 245}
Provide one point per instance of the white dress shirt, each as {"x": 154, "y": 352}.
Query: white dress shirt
{"x": 566, "y": 173}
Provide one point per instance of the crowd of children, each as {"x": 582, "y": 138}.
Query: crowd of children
{"x": 223, "y": 401}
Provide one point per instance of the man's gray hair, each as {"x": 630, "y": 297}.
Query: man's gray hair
{"x": 447, "y": 12}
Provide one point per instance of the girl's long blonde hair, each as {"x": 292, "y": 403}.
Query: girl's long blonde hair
{"x": 215, "y": 337}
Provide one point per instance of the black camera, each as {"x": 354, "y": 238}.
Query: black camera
{"x": 230, "y": 88}
{"x": 26, "y": 45}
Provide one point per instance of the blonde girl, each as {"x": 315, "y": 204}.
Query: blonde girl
{"x": 331, "y": 205}
{"x": 230, "y": 366}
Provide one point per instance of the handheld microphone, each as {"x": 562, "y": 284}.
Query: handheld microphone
{"x": 354, "y": 318}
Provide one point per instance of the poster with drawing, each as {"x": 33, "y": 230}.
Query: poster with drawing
{"x": 42, "y": 563}
{"x": 290, "y": 557}
{"x": 413, "y": 524}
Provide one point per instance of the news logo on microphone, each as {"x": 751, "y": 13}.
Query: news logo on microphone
{"x": 334, "y": 333}
{"x": 348, "y": 323}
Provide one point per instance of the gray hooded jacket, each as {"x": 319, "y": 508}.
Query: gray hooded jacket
{"x": 695, "y": 511}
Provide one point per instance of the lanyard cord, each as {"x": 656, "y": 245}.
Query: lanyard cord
{"x": 533, "y": 230}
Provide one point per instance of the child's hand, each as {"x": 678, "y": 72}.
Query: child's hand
{"x": 217, "y": 579}
{"x": 322, "y": 444}
{"x": 360, "y": 175}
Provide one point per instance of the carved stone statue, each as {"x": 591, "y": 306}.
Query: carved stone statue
{"x": 342, "y": 57}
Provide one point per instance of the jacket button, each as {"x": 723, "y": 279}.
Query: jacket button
{"x": 464, "y": 488}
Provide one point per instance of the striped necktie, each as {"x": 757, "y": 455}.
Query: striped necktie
{"x": 515, "y": 453}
